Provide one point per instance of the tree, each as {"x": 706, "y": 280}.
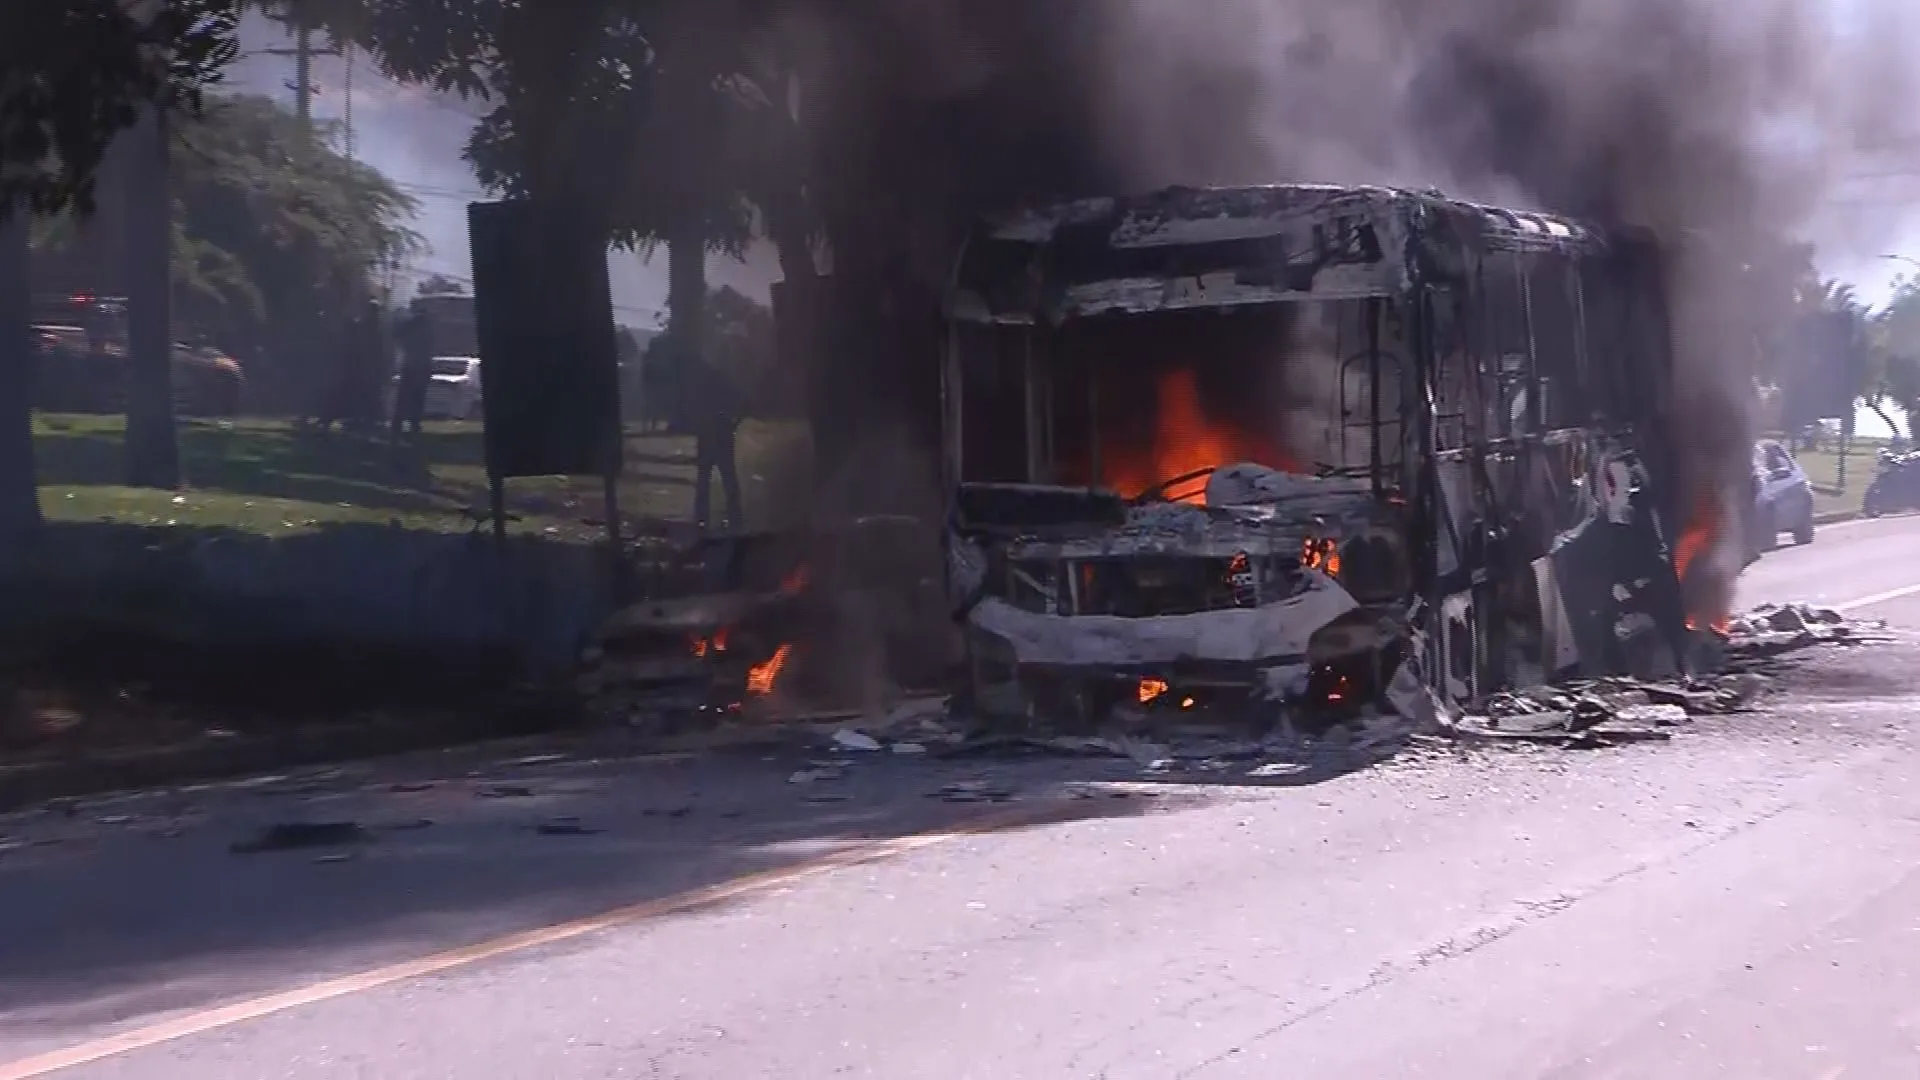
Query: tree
{"x": 623, "y": 107}
{"x": 885, "y": 161}
{"x": 280, "y": 237}
{"x": 76, "y": 73}
{"x": 1823, "y": 369}
{"x": 900, "y": 149}
{"x": 19, "y": 485}
{"x": 738, "y": 331}
{"x": 275, "y": 235}
{"x": 657, "y": 98}
{"x": 740, "y": 335}
{"x": 73, "y": 75}
{"x": 1896, "y": 335}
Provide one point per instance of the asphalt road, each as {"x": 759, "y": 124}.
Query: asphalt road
{"x": 1743, "y": 901}
{"x": 1846, "y": 563}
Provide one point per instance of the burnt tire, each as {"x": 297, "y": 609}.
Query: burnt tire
{"x": 1803, "y": 530}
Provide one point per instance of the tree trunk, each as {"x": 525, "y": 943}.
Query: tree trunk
{"x": 19, "y": 489}
{"x": 875, "y": 394}
{"x": 1846, "y": 447}
{"x": 686, "y": 290}
{"x": 689, "y": 117}
{"x": 786, "y": 218}
{"x": 152, "y": 447}
{"x": 1881, "y": 412}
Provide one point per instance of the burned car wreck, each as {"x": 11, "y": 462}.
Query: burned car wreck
{"x": 1304, "y": 450}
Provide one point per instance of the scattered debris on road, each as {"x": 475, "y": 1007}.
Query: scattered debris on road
{"x": 1582, "y": 713}
{"x": 291, "y": 836}
{"x": 856, "y": 740}
{"x": 935, "y": 746}
{"x": 1775, "y": 628}
{"x": 564, "y": 826}
{"x": 1611, "y": 711}
{"x": 974, "y": 791}
{"x": 505, "y": 791}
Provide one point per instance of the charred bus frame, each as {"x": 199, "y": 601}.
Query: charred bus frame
{"x": 1508, "y": 394}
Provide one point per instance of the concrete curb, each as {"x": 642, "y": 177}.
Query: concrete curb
{"x": 30, "y": 783}
{"x": 1832, "y": 517}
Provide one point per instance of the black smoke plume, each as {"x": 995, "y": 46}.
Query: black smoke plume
{"x": 1722, "y": 126}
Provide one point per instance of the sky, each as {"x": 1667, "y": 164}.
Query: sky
{"x": 415, "y": 137}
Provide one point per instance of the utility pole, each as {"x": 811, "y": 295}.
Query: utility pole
{"x": 346, "y": 93}
{"x": 303, "y": 78}
{"x": 303, "y": 53}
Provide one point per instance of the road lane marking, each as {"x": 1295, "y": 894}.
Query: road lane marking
{"x": 1878, "y": 598}
{"x": 206, "y": 1020}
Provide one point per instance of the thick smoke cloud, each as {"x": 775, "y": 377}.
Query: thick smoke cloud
{"x": 1720, "y": 125}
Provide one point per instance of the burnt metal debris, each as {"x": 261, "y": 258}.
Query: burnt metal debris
{"x": 1293, "y": 459}
{"x": 1607, "y": 711}
{"x": 1425, "y": 442}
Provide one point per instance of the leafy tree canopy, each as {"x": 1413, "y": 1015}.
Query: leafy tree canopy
{"x": 303, "y": 223}
{"x": 1896, "y": 333}
{"x": 271, "y": 228}
{"x": 739, "y": 337}
{"x": 74, "y": 73}
{"x": 576, "y": 93}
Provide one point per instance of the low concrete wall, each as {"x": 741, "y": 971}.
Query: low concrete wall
{"x": 363, "y": 587}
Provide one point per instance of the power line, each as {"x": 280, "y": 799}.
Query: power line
{"x": 347, "y": 80}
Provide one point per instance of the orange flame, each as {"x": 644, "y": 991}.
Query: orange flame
{"x": 761, "y": 677}
{"x": 1322, "y": 555}
{"x": 1705, "y": 606}
{"x": 1184, "y": 439}
{"x": 1699, "y": 535}
{"x": 701, "y": 646}
{"x": 1150, "y": 689}
{"x": 1719, "y": 624}
{"x": 795, "y": 581}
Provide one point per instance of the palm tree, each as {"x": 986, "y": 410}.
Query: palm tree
{"x": 1895, "y": 336}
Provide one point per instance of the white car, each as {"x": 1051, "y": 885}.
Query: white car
{"x": 453, "y": 388}
{"x": 1782, "y": 497}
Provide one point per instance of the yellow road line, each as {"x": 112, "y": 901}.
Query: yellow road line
{"x": 239, "y": 1012}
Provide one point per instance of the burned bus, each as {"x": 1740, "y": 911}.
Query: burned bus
{"x": 1305, "y": 445}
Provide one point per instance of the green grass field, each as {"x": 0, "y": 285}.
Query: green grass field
{"x": 268, "y": 477}
{"x": 1822, "y": 467}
